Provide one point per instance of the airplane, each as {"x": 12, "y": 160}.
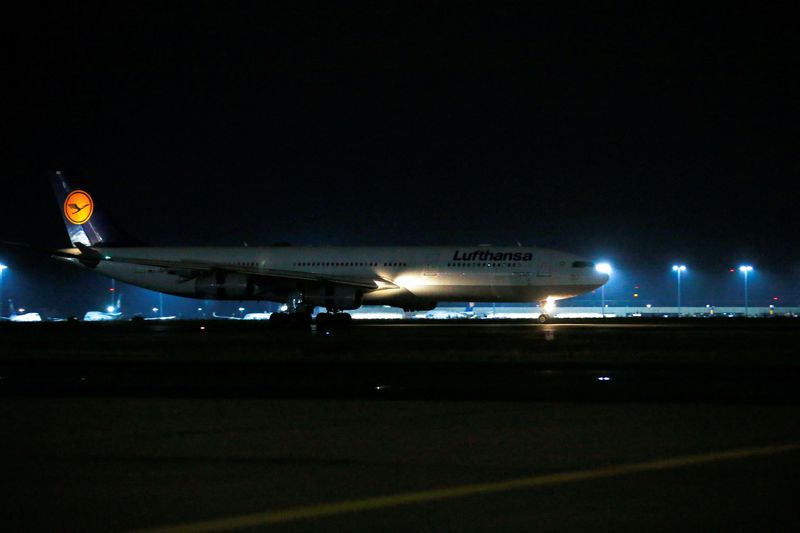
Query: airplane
{"x": 337, "y": 278}
{"x": 101, "y": 316}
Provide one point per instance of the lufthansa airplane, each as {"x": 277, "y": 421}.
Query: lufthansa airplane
{"x": 337, "y": 278}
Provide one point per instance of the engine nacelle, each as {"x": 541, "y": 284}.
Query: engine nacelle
{"x": 333, "y": 297}
{"x": 225, "y": 286}
{"x": 420, "y": 305}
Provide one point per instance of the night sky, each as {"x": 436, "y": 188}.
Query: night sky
{"x": 642, "y": 137}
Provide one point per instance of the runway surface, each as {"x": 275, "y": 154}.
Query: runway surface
{"x": 456, "y": 427}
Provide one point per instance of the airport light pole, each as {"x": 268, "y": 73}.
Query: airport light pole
{"x": 745, "y": 269}
{"x": 603, "y": 268}
{"x": 679, "y": 269}
{"x": 2, "y": 305}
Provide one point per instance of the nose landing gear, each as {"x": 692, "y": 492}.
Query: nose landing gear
{"x": 547, "y": 307}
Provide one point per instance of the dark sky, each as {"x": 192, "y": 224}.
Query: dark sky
{"x": 644, "y": 136}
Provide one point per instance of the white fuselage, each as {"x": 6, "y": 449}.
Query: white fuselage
{"x": 427, "y": 273}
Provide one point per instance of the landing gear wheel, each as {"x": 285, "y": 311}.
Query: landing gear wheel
{"x": 278, "y": 319}
{"x": 544, "y": 318}
{"x": 324, "y": 320}
{"x": 330, "y": 320}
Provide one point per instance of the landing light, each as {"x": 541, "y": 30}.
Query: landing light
{"x": 3, "y": 267}
{"x": 409, "y": 281}
{"x": 745, "y": 268}
{"x": 550, "y": 305}
{"x": 603, "y": 268}
{"x": 110, "y": 308}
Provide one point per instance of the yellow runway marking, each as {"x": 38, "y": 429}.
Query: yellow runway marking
{"x": 409, "y": 498}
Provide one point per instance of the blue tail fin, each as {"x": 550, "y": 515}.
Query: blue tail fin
{"x": 87, "y": 223}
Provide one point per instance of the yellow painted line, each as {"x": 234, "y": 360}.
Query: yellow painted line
{"x": 409, "y": 498}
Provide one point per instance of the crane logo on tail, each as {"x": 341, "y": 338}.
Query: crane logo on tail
{"x": 78, "y": 207}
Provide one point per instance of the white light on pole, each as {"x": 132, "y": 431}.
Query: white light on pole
{"x": 745, "y": 269}
{"x": 679, "y": 269}
{"x": 2, "y": 305}
{"x": 603, "y": 268}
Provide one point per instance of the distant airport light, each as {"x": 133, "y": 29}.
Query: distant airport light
{"x": 21, "y": 310}
{"x": 746, "y": 269}
{"x": 679, "y": 269}
{"x": 241, "y": 309}
{"x": 604, "y": 268}
{"x": 155, "y": 309}
{"x": 2, "y": 269}
{"x": 110, "y": 308}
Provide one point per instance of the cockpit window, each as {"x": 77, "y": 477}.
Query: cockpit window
{"x": 582, "y": 264}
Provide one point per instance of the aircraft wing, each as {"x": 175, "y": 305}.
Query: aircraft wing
{"x": 190, "y": 269}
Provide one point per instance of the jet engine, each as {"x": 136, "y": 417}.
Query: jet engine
{"x": 333, "y": 297}
{"x": 225, "y": 286}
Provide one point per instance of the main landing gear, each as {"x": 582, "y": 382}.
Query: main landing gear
{"x": 290, "y": 320}
{"x": 298, "y": 316}
{"x": 328, "y": 320}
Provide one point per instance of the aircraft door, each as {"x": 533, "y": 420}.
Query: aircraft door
{"x": 431, "y": 265}
{"x": 544, "y": 266}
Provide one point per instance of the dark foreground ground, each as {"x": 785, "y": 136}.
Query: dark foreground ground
{"x": 438, "y": 427}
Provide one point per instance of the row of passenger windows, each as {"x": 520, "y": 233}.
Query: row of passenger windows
{"x": 576, "y": 264}
{"x": 349, "y": 264}
{"x": 483, "y": 265}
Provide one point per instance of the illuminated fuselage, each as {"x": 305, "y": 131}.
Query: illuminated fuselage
{"x": 404, "y": 276}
